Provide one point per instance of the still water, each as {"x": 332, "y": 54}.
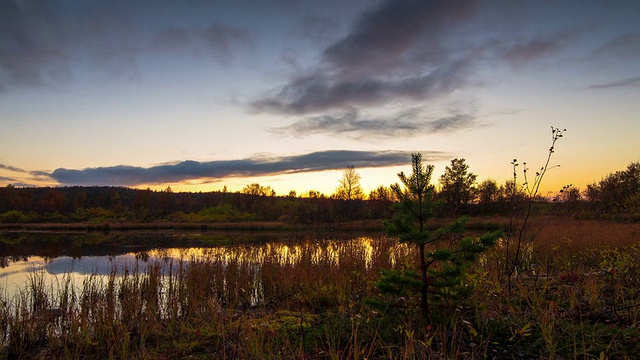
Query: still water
{"x": 60, "y": 257}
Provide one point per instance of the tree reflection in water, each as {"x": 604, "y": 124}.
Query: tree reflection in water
{"x": 236, "y": 268}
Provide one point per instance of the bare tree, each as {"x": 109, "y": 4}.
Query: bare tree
{"x": 349, "y": 188}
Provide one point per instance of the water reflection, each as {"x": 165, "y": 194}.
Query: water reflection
{"x": 18, "y": 246}
{"x": 253, "y": 253}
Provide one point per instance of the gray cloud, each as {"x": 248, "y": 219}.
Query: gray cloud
{"x": 406, "y": 53}
{"x": 387, "y": 37}
{"x": 317, "y": 28}
{"x": 318, "y": 93}
{"x": 34, "y": 175}
{"x": 218, "y": 39}
{"x": 352, "y": 124}
{"x": 629, "y": 82}
{"x": 11, "y": 168}
{"x": 42, "y": 44}
{"x": 526, "y": 51}
{"x": 40, "y": 175}
{"x": 627, "y": 46}
{"x": 39, "y": 42}
{"x": 396, "y": 52}
{"x": 27, "y": 58}
{"x": 124, "y": 175}
{"x": 410, "y": 53}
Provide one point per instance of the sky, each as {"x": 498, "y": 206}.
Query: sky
{"x": 198, "y": 95}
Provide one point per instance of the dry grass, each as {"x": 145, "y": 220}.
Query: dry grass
{"x": 311, "y": 300}
{"x": 576, "y": 235}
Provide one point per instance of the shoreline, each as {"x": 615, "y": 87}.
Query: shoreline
{"x": 360, "y": 225}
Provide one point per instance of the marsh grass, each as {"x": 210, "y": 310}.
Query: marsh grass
{"x": 311, "y": 300}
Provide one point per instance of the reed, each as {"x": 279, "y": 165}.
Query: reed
{"x": 312, "y": 300}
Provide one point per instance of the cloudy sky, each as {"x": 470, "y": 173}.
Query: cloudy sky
{"x": 198, "y": 94}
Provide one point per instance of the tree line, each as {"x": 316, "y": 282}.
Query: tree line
{"x": 615, "y": 197}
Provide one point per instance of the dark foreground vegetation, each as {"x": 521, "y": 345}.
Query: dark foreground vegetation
{"x": 579, "y": 298}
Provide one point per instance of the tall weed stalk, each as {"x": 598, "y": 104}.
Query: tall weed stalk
{"x": 519, "y": 239}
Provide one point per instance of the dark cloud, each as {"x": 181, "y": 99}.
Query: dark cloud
{"x": 40, "y": 175}
{"x": 34, "y": 175}
{"x": 27, "y": 56}
{"x": 396, "y": 52}
{"x": 11, "y": 168}
{"x": 40, "y": 42}
{"x": 217, "y": 39}
{"x": 629, "y": 82}
{"x": 626, "y": 46}
{"x": 526, "y": 51}
{"x": 408, "y": 53}
{"x": 353, "y": 125}
{"x": 123, "y": 175}
{"x": 387, "y": 37}
{"x": 318, "y": 93}
{"x": 318, "y": 29}
{"x": 451, "y": 123}
{"x": 43, "y": 45}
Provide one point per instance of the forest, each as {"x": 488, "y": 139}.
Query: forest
{"x": 615, "y": 197}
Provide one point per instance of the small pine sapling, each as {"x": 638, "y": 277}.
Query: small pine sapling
{"x": 442, "y": 263}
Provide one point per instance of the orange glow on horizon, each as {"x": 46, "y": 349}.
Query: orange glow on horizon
{"x": 579, "y": 173}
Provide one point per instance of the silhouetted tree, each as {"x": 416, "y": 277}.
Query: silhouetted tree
{"x": 349, "y": 188}
{"x": 618, "y": 193}
{"x": 257, "y": 189}
{"x": 350, "y": 192}
{"x": 382, "y": 193}
{"x": 380, "y": 202}
{"x": 457, "y": 185}
{"x": 569, "y": 197}
{"x": 488, "y": 192}
{"x": 314, "y": 194}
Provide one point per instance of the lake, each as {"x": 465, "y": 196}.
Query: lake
{"x": 52, "y": 259}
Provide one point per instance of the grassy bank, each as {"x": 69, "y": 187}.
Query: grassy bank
{"x": 367, "y": 225}
{"x": 578, "y": 298}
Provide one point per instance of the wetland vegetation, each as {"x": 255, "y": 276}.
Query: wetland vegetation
{"x": 315, "y": 296}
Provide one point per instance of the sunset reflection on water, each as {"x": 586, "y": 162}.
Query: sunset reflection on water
{"x": 329, "y": 253}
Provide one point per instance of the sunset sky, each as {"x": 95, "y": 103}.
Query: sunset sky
{"x": 198, "y": 95}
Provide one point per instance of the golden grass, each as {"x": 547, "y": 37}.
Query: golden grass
{"x": 311, "y": 300}
{"x": 575, "y": 235}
